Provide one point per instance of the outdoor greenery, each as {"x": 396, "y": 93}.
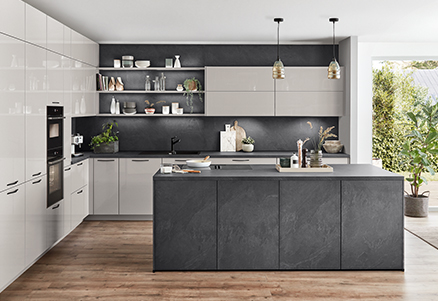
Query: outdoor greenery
{"x": 108, "y": 135}
{"x": 421, "y": 144}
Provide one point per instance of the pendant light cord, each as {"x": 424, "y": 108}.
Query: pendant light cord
{"x": 334, "y": 39}
{"x": 278, "y": 41}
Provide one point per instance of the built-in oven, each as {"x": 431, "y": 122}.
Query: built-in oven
{"x": 55, "y": 155}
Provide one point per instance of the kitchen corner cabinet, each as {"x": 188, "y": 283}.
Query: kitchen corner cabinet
{"x": 12, "y": 95}
{"x": 36, "y": 203}
{"x": 12, "y": 18}
{"x": 12, "y": 233}
{"x": 135, "y": 180}
{"x": 106, "y": 186}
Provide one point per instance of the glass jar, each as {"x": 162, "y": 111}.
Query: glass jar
{"x": 127, "y": 61}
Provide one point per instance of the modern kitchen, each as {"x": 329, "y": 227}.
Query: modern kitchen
{"x": 226, "y": 163}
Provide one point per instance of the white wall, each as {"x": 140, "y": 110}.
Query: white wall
{"x": 361, "y": 117}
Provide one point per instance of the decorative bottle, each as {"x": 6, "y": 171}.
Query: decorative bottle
{"x": 162, "y": 82}
{"x": 117, "y": 107}
{"x": 156, "y": 84}
{"x": 294, "y": 161}
{"x": 113, "y": 106}
{"x": 147, "y": 84}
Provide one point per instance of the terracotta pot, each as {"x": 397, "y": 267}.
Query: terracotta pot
{"x": 192, "y": 86}
{"x": 149, "y": 111}
{"x": 417, "y": 206}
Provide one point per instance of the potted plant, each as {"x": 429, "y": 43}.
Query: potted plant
{"x": 422, "y": 142}
{"x": 248, "y": 144}
{"x": 149, "y": 106}
{"x": 106, "y": 142}
{"x": 316, "y": 152}
{"x": 192, "y": 85}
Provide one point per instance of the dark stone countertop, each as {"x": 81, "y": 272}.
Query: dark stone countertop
{"x": 203, "y": 154}
{"x": 268, "y": 172}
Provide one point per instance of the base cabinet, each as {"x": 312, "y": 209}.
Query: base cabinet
{"x": 106, "y": 186}
{"x": 55, "y": 223}
{"x": 36, "y": 203}
{"x": 12, "y": 233}
{"x": 135, "y": 180}
{"x": 79, "y": 206}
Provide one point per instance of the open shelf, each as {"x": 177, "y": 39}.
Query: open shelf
{"x": 152, "y": 69}
{"x": 151, "y": 115}
{"x": 146, "y": 92}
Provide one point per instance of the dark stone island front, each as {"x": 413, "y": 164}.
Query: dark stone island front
{"x": 260, "y": 219}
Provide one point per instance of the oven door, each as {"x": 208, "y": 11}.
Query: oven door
{"x": 55, "y": 182}
{"x": 55, "y": 131}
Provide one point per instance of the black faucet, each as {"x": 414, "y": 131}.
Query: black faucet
{"x": 173, "y": 141}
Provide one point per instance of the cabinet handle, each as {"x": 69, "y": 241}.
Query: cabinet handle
{"x": 240, "y": 160}
{"x": 79, "y": 164}
{"x": 67, "y": 169}
{"x": 36, "y": 182}
{"x": 79, "y": 192}
{"x": 180, "y": 160}
{"x": 13, "y": 183}
{"x": 12, "y": 192}
{"x": 37, "y": 174}
{"x": 55, "y": 207}
{"x": 140, "y": 160}
{"x": 55, "y": 161}
{"x": 105, "y": 160}
{"x": 55, "y": 102}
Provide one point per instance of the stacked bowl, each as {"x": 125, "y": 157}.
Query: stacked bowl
{"x": 129, "y": 108}
{"x": 333, "y": 146}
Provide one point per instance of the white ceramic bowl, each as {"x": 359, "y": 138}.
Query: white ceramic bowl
{"x": 337, "y": 142}
{"x": 142, "y": 64}
{"x": 333, "y": 148}
{"x": 198, "y": 163}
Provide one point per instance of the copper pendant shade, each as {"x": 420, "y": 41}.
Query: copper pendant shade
{"x": 334, "y": 70}
{"x": 278, "y": 68}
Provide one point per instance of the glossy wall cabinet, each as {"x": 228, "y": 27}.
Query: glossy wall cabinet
{"x": 135, "y": 180}
{"x": 12, "y": 18}
{"x": 36, "y": 27}
{"x": 55, "y": 35}
{"x": 12, "y": 95}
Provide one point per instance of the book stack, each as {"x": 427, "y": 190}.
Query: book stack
{"x": 102, "y": 82}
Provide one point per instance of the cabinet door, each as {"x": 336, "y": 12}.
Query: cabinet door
{"x": 309, "y": 79}
{"x": 67, "y": 41}
{"x": 239, "y": 103}
{"x": 55, "y": 223}
{"x": 239, "y": 79}
{"x": 184, "y": 225}
{"x": 12, "y": 235}
{"x": 36, "y": 25}
{"x": 55, "y": 79}
{"x": 12, "y": 95}
{"x": 135, "y": 178}
{"x": 67, "y": 200}
{"x": 78, "y": 206}
{"x": 36, "y": 203}
{"x": 247, "y": 225}
{"x": 36, "y": 111}
{"x": 55, "y": 35}
{"x": 310, "y": 218}
{"x": 79, "y": 175}
{"x": 12, "y": 18}
{"x": 78, "y": 48}
{"x": 372, "y": 225}
{"x": 106, "y": 183}
{"x": 309, "y": 104}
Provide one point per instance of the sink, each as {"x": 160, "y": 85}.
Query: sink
{"x": 168, "y": 153}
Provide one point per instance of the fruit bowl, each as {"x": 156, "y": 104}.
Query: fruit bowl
{"x": 333, "y": 148}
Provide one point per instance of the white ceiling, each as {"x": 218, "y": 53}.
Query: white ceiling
{"x": 245, "y": 21}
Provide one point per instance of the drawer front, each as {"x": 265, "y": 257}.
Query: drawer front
{"x": 243, "y": 160}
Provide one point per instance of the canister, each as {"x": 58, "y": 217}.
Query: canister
{"x": 127, "y": 61}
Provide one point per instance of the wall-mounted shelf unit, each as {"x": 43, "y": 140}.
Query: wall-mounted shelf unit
{"x": 151, "y": 115}
{"x": 152, "y": 69}
{"x": 146, "y": 92}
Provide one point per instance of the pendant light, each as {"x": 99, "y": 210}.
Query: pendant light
{"x": 334, "y": 70}
{"x": 278, "y": 68}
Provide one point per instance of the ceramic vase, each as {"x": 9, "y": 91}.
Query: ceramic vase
{"x": 315, "y": 158}
{"x": 177, "y": 62}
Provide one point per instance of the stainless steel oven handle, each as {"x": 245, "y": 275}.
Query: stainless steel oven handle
{"x": 55, "y": 118}
{"x": 56, "y": 161}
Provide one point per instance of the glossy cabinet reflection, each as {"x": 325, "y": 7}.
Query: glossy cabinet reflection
{"x": 55, "y": 35}
{"x": 12, "y": 18}
{"x": 55, "y": 79}
{"x": 12, "y": 95}
{"x": 36, "y": 22}
{"x": 36, "y": 107}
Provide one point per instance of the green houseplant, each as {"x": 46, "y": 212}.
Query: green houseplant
{"x": 248, "y": 144}
{"x": 422, "y": 143}
{"x": 191, "y": 85}
{"x": 106, "y": 142}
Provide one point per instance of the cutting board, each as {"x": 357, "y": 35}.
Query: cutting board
{"x": 240, "y": 134}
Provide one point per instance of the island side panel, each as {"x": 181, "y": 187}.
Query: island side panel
{"x": 372, "y": 225}
{"x": 310, "y": 225}
{"x": 184, "y": 225}
{"x": 248, "y": 225}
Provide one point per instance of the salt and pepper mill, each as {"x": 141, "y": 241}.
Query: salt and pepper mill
{"x": 300, "y": 147}
{"x": 304, "y": 158}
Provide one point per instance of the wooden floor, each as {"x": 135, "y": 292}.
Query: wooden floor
{"x": 113, "y": 261}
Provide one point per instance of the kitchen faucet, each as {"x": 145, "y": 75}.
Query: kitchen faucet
{"x": 174, "y": 140}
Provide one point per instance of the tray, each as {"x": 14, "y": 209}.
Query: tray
{"x": 324, "y": 168}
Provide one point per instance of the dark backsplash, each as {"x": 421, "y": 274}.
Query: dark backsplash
{"x": 202, "y": 133}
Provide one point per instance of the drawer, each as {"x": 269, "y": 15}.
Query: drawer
{"x": 243, "y": 160}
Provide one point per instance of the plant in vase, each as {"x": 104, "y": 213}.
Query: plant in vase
{"x": 316, "y": 152}
{"x": 191, "y": 85}
{"x": 248, "y": 144}
{"x": 149, "y": 106}
{"x": 107, "y": 141}
{"x": 422, "y": 143}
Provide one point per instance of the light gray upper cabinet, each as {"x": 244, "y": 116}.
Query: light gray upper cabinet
{"x": 12, "y": 18}
{"x": 309, "y": 79}
{"x": 239, "y": 91}
{"x": 55, "y": 35}
{"x": 106, "y": 186}
{"x": 36, "y": 27}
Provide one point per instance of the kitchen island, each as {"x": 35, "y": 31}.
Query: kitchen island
{"x": 255, "y": 218}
